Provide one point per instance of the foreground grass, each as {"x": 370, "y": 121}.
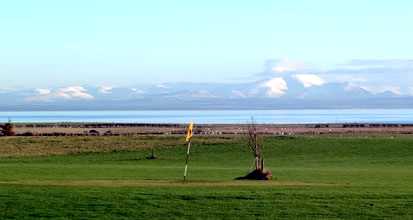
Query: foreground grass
{"x": 201, "y": 203}
{"x": 328, "y": 178}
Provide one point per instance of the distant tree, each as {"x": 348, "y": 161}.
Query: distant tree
{"x": 7, "y": 129}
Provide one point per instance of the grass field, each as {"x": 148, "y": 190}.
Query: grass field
{"x": 110, "y": 178}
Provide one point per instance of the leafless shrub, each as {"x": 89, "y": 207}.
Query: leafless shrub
{"x": 255, "y": 144}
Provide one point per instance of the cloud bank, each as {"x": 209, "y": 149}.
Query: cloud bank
{"x": 65, "y": 93}
{"x": 375, "y": 76}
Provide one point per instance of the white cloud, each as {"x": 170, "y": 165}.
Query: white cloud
{"x": 69, "y": 93}
{"x": 286, "y": 65}
{"x": 105, "y": 89}
{"x": 276, "y": 87}
{"x": 43, "y": 92}
{"x": 74, "y": 92}
{"x": 309, "y": 80}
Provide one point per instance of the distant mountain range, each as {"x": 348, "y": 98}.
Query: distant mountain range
{"x": 275, "y": 93}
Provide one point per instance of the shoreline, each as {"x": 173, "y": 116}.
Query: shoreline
{"x": 116, "y": 129}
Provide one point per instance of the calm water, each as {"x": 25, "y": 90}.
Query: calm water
{"x": 242, "y": 116}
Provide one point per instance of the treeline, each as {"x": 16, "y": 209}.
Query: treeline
{"x": 7, "y": 129}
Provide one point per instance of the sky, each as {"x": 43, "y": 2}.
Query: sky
{"x": 49, "y": 43}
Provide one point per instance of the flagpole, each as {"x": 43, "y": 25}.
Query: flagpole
{"x": 187, "y": 160}
{"x": 189, "y": 133}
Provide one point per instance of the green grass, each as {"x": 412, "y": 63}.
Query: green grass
{"x": 314, "y": 178}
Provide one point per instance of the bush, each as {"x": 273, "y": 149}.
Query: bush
{"x": 7, "y": 129}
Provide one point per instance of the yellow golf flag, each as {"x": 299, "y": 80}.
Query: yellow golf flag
{"x": 189, "y": 132}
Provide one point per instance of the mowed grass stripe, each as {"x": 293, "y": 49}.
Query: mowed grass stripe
{"x": 162, "y": 183}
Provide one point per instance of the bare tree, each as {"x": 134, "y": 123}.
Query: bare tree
{"x": 255, "y": 144}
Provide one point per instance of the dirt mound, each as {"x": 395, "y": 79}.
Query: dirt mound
{"x": 257, "y": 175}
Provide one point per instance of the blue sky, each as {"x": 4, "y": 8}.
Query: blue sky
{"x": 47, "y": 43}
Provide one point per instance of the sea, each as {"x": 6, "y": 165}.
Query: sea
{"x": 303, "y": 116}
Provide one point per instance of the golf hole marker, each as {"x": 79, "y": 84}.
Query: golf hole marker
{"x": 189, "y": 134}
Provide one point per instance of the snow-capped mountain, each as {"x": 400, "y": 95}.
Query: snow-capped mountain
{"x": 272, "y": 93}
